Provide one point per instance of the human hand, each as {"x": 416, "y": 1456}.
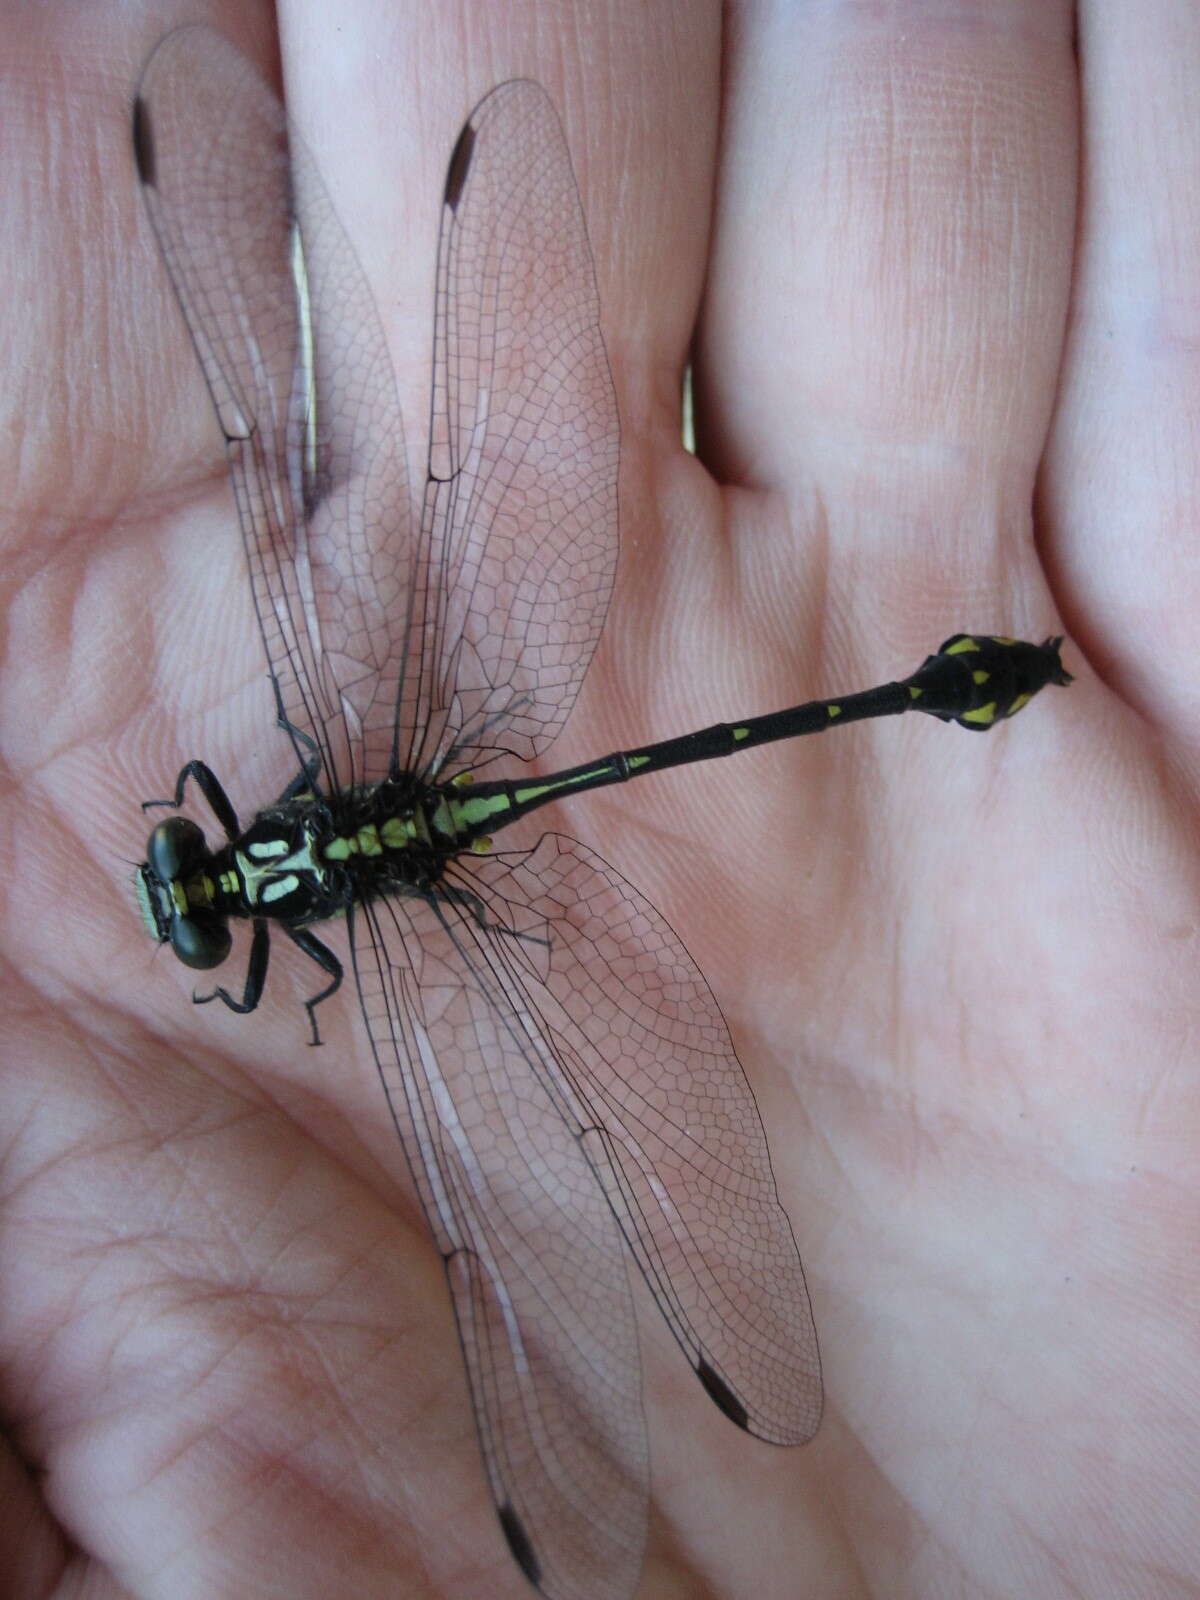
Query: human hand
{"x": 957, "y": 970}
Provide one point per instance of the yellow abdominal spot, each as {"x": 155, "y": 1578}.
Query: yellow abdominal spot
{"x": 395, "y": 833}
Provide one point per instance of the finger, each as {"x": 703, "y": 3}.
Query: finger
{"x": 889, "y": 284}
{"x": 32, "y": 1549}
{"x": 381, "y": 99}
{"x": 1121, "y": 486}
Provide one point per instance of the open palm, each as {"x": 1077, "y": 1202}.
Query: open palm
{"x": 959, "y": 970}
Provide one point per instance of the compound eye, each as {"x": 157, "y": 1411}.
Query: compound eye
{"x": 175, "y": 848}
{"x": 200, "y": 941}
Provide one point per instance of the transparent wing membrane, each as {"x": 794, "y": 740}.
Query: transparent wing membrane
{"x": 561, "y": 1080}
{"x": 521, "y": 502}
{"x": 287, "y": 335}
{"x": 639, "y": 1048}
{"x": 393, "y": 647}
{"x": 533, "y": 1253}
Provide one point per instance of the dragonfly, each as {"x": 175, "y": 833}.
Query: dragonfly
{"x": 563, "y": 1085}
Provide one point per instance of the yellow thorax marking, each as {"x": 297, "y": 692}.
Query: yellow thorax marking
{"x": 266, "y": 862}
{"x": 279, "y": 888}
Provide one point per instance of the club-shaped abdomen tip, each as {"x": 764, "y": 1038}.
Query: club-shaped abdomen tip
{"x": 979, "y": 680}
{"x": 1058, "y": 673}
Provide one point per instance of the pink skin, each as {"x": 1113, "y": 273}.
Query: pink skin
{"x": 948, "y": 272}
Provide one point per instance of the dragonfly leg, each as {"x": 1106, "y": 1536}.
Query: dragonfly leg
{"x": 328, "y": 962}
{"x": 310, "y": 767}
{"x": 210, "y": 787}
{"x": 303, "y": 783}
{"x": 465, "y": 897}
{"x": 256, "y": 975}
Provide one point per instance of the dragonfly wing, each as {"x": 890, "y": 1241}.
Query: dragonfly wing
{"x": 647, "y": 1055}
{"x": 533, "y": 1257}
{"x": 520, "y": 514}
{"x": 296, "y": 363}
{"x": 390, "y": 652}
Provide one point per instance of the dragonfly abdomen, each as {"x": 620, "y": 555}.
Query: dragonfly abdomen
{"x": 976, "y": 680}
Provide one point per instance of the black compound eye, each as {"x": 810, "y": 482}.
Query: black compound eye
{"x": 200, "y": 941}
{"x": 175, "y": 848}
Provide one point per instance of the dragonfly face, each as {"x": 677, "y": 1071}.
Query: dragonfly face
{"x": 172, "y": 898}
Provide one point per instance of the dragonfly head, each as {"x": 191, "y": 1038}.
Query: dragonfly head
{"x": 174, "y": 894}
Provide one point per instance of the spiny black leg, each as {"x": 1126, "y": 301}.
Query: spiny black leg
{"x": 308, "y": 768}
{"x": 305, "y": 782}
{"x": 256, "y": 975}
{"x": 328, "y": 962}
{"x": 210, "y": 787}
{"x": 474, "y": 735}
{"x": 464, "y": 897}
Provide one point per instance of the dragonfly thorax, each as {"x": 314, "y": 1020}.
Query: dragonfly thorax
{"x": 300, "y": 861}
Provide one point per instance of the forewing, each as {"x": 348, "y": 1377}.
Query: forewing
{"x": 297, "y": 366}
{"x": 520, "y": 512}
{"x": 646, "y": 1056}
{"x": 533, "y": 1256}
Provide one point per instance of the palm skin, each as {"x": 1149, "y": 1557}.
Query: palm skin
{"x": 960, "y": 971}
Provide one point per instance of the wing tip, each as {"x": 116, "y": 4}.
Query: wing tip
{"x": 722, "y": 1395}
{"x": 143, "y": 143}
{"x": 520, "y": 1544}
{"x": 460, "y": 165}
